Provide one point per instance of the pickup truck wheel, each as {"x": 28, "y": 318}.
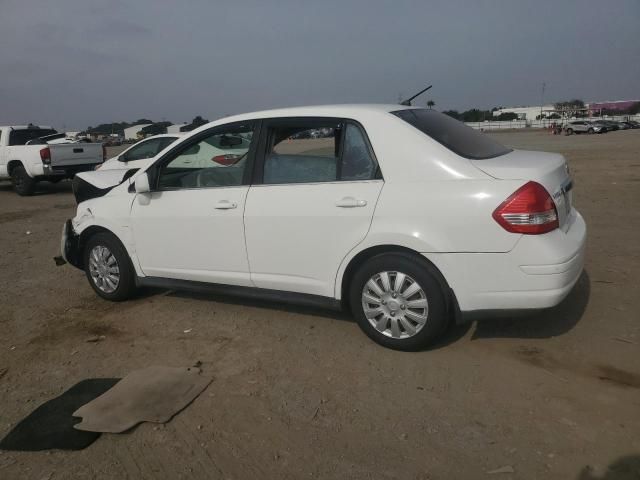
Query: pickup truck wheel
{"x": 398, "y": 302}
{"x": 108, "y": 267}
{"x": 23, "y": 184}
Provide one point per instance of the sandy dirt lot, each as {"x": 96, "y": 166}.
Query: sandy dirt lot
{"x": 305, "y": 394}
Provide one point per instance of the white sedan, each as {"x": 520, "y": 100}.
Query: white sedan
{"x": 403, "y": 215}
{"x": 137, "y": 155}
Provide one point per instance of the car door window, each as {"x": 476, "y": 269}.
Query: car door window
{"x": 302, "y": 153}
{"x": 357, "y": 163}
{"x": 315, "y": 151}
{"x": 146, "y": 149}
{"x": 217, "y": 160}
{"x": 164, "y": 143}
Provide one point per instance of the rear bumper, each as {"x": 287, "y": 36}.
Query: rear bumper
{"x": 66, "y": 171}
{"x": 538, "y": 273}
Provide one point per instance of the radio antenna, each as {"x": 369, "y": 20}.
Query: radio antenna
{"x": 407, "y": 103}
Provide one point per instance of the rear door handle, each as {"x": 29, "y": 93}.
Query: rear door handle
{"x": 225, "y": 205}
{"x": 350, "y": 202}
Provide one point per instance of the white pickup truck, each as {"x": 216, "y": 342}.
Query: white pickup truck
{"x": 30, "y": 153}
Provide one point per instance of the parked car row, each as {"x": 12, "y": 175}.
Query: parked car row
{"x": 598, "y": 126}
{"x": 404, "y": 216}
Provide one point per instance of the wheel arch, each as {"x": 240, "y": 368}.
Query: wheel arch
{"x": 84, "y": 237}
{"x": 11, "y": 164}
{"x": 361, "y": 257}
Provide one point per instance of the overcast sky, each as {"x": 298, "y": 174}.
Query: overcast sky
{"x": 78, "y": 63}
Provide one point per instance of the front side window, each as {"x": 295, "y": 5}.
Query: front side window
{"x": 454, "y": 135}
{"x": 146, "y": 149}
{"x": 217, "y": 160}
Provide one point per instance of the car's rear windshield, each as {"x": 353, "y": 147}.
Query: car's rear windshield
{"x": 22, "y": 135}
{"x": 455, "y": 135}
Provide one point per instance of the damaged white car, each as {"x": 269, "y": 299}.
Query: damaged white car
{"x": 403, "y": 215}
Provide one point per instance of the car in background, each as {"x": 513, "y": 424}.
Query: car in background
{"x": 404, "y": 216}
{"x": 610, "y": 125}
{"x": 583, "y": 126}
{"x": 136, "y": 155}
{"x": 31, "y": 153}
{"x": 632, "y": 124}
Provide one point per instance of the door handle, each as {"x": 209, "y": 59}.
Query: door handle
{"x": 225, "y": 205}
{"x": 350, "y": 202}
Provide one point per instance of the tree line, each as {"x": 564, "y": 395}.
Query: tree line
{"x": 151, "y": 128}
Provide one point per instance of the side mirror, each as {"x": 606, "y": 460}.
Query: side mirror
{"x": 142, "y": 183}
{"x": 121, "y": 158}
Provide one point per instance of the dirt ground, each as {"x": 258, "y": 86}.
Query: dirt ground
{"x": 304, "y": 393}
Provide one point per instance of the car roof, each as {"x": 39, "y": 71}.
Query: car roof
{"x": 28, "y": 127}
{"x": 164, "y": 135}
{"x": 344, "y": 110}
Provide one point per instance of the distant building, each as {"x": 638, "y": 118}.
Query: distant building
{"x": 530, "y": 113}
{"x": 176, "y": 127}
{"x": 525, "y": 113}
{"x": 616, "y": 105}
{"x": 131, "y": 133}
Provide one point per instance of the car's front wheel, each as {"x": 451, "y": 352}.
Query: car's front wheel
{"x": 399, "y": 302}
{"x": 108, "y": 267}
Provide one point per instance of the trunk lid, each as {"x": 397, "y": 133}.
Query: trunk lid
{"x": 548, "y": 169}
{"x": 72, "y": 154}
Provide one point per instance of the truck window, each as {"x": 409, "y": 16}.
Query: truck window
{"x": 22, "y": 136}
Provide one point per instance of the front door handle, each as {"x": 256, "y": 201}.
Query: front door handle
{"x": 350, "y": 202}
{"x": 225, "y": 205}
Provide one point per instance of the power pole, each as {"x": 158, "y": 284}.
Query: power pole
{"x": 542, "y": 98}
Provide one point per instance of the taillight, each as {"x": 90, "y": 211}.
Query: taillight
{"x": 529, "y": 210}
{"x": 226, "y": 160}
{"x": 45, "y": 155}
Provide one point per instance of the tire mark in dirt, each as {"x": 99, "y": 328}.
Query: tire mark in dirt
{"x": 8, "y": 217}
{"x": 541, "y": 359}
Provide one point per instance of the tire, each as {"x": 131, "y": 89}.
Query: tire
{"x": 569, "y": 131}
{"x": 590, "y": 131}
{"x": 395, "y": 309}
{"x": 23, "y": 184}
{"x": 100, "y": 251}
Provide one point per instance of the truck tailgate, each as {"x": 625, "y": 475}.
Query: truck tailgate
{"x": 74, "y": 154}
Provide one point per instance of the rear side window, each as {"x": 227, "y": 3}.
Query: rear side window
{"x": 302, "y": 153}
{"x": 454, "y": 135}
{"x": 313, "y": 151}
{"x": 22, "y": 136}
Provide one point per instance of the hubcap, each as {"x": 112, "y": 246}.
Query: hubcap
{"x": 104, "y": 269}
{"x": 395, "y": 304}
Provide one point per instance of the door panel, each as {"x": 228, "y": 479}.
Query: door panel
{"x": 298, "y": 234}
{"x": 192, "y": 234}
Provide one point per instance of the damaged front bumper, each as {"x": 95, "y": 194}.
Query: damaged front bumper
{"x": 69, "y": 247}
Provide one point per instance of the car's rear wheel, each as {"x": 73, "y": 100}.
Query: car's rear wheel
{"x": 23, "y": 184}
{"x": 399, "y": 302}
{"x": 108, "y": 267}
{"x": 569, "y": 131}
{"x": 590, "y": 131}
